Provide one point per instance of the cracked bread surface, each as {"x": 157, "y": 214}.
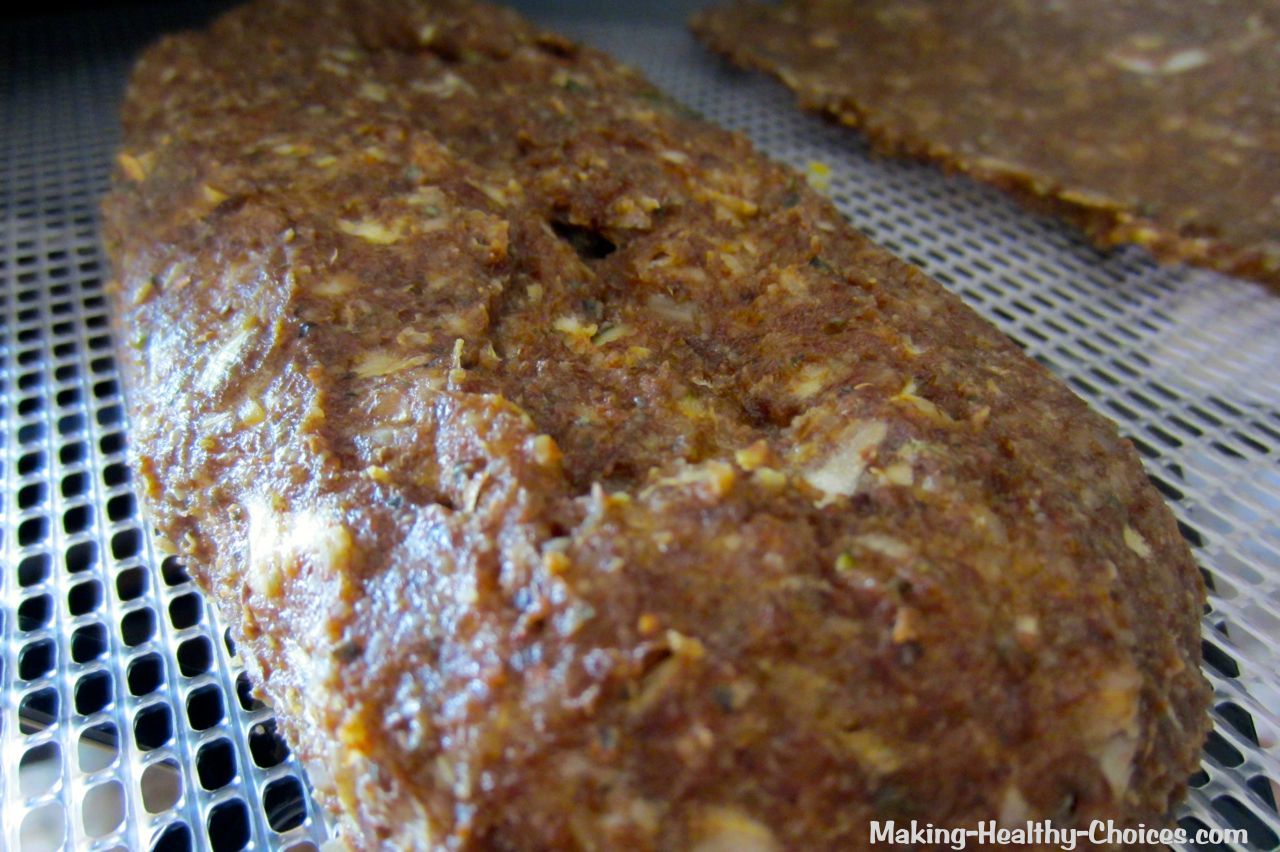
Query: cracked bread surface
{"x": 572, "y": 476}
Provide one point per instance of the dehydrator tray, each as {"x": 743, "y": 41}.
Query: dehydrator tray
{"x": 126, "y": 720}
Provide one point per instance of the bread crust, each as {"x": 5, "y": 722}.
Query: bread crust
{"x": 572, "y": 476}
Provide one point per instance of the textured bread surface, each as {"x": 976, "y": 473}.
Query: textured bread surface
{"x": 1154, "y": 123}
{"x": 571, "y": 476}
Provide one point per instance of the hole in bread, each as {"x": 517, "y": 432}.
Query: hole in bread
{"x": 762, "y": 412}
{"x": 589, "y": 243}
{"x": 446, "y": 51}
{"x": 621, "y": 471}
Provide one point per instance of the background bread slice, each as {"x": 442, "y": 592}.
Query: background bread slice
{"x": 1146, "y": 123}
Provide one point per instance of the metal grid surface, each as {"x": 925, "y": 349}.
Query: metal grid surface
{"x": 125, "y": 718}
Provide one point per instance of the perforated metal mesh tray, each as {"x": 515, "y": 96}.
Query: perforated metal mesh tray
{"x": 126, "y": 720}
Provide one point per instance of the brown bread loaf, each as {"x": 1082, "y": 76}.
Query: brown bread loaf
{"x": 571, "y": 476}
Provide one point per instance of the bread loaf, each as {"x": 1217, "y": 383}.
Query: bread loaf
{"x": 572, "y": 476}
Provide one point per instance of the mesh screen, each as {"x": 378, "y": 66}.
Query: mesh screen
{"x": 127, "y": 721}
